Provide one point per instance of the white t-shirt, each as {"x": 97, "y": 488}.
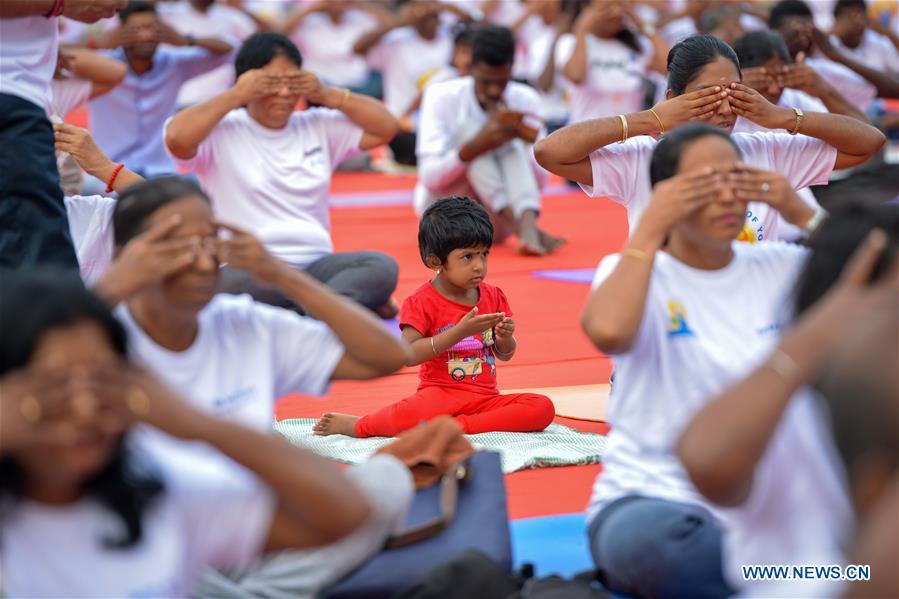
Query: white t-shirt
{"x": 853, "y": 86}
{"x": 275, "y": 182}
{"x": 701, "y": 330}
{"x": 90, "y": 224}
{"x": 798, "y": 511}
{"x": 327, "y": 47}
{"x": 203, "y": 519}
{"x": 621, "y": 173}
{"x": 246, "y": 355}
{"x": 68, "y": 94}
{"x": 221, "y": 21}
{"x": 537, "y": 40}
{"x": 615, "y": 76}
{"x": 449, "y": 113}
{"x": 406, "y": 60}
{"x": 28, "y": 59}
{"x": 875, "y": 51}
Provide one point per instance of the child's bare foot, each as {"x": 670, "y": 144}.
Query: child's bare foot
{"x": 335, "y": 424}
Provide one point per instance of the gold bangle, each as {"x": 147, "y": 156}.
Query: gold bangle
{"x": 638, "y": 254}
{"x": 623, "y": 120}
{"x": 433, "y": 347}
{"x": 655, "y": 114}
{"x": 343, "y": 98}
{"x": 799, "y": 116}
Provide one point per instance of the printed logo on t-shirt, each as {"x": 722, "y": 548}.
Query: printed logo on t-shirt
{"x": 233, "y": 401}
{"x": 314, "y": 158}
{"x": 469, "y": 356}
{"x": 753, "y": 230}
{"x": 677, "y": 320}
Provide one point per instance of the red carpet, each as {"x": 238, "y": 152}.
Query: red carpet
{"x": 552, "y": 350}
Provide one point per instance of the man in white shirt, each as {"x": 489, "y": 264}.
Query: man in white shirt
{"x": 852, "y": 35}
{"x": 33, "y": 226}
{"x": 207, "y": 18}
{"x": 406, "y": 50}
{"x": 268, "y": 168}
{"x": 474, "y": 138}
{"x": 793, "y": 19}
{"x": 127, "y": 122}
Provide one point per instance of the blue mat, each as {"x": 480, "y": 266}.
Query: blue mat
{"x": 554, "y": 544}
{"x": 567, "y": 275}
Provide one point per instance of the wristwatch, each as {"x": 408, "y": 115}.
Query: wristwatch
{"x": 815, "y": 221}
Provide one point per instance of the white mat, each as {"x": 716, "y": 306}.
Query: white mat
{"x": 558, "y": 445}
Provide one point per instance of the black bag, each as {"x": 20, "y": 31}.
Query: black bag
{"x": 471, "y": 574}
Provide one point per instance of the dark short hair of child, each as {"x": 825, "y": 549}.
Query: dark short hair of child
{"x": 452, "y": 223}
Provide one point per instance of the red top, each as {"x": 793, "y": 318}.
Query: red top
{"x": 470, "y": 364}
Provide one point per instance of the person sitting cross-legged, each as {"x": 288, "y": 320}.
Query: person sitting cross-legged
{"x": 474, "y": 137}
{"x": 458, "y": 326}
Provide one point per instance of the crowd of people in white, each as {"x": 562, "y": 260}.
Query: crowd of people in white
{"x": 745, "y": 315}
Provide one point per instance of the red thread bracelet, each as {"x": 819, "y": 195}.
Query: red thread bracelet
{"x": 59, "y": 6}
{"x": 115, "y": 174}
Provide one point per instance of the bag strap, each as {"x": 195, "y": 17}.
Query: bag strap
{"x": 449, "y": 498}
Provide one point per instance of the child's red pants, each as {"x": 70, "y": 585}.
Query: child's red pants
{"x": 476, "y": 412}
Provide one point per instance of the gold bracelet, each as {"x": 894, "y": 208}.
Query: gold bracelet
{"x": 799, "y": 116}
{"x": 343, "y": 98}
{"x": 661, "y": 126}
{"x": 623, "y": 120}
{"x": 433, "y": 347}
{"x": 638, "y": 254}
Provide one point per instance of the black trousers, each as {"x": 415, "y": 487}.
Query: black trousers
{"x": 33, "y": 225}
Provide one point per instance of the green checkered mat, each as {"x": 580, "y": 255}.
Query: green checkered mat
{"x": 558, "y": 445}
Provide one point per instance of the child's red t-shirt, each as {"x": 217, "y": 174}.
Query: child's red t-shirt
{"x": 470, "y": 364}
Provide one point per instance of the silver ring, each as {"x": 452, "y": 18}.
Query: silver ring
{"x": 765, "y": 187}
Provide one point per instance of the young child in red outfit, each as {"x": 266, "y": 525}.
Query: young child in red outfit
{"x": 458, "y": 326}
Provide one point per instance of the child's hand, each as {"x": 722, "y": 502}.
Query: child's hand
{"x": 474, "y": 324}
{"x": 505, "y": 329}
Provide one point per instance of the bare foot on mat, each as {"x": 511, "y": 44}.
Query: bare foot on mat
{"x": 551, "y": 242}
{"x": 335, "y": 424}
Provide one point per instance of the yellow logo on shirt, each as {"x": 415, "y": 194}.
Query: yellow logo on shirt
{"x": 677, "y": 320}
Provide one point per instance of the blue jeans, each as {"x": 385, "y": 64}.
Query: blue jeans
{"x": 34, "y": 229}
{"x": 650, "y": 547}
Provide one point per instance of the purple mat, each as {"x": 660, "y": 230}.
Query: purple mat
{"x": 568, "y": 275}
{"x": 393, "y": 325}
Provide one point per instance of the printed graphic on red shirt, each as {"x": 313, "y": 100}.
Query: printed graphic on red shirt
{"x": 471, "y": 356}
{"x": 471, "y": 361}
